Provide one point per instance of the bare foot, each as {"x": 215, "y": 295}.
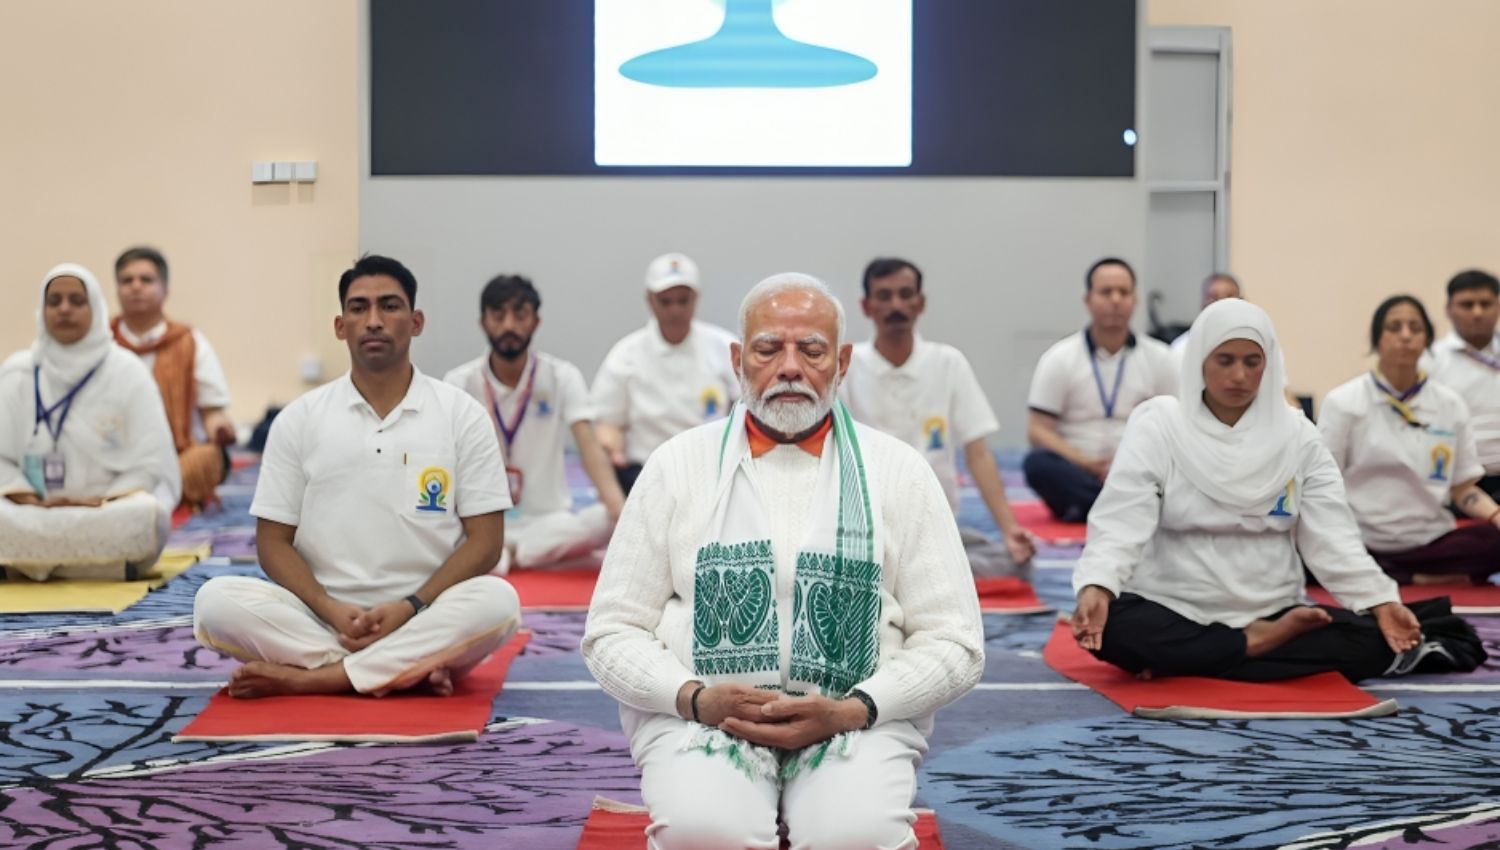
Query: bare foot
{"x": 1262, "y": 636}
{"x": 264, "y": 679}
{"x": 440, "y": 682}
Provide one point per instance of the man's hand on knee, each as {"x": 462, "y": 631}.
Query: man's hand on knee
{"x": 1090, "y": 615}
{"x": 792, "y": 723}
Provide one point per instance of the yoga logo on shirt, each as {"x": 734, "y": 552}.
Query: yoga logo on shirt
{"x": 935, "y": 430}
{"x": 1442, "y": 462}
{"x": 434, "y": 483}
{"x": 543, "y": 406}
{"x": 713, "y": 402}
{"x": 1284, "y": 505}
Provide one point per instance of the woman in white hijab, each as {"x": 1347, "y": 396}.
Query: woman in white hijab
{"x": 88, "y": 472}
{"x": 1196, "y": 547}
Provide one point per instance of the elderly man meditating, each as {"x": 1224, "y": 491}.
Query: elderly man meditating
{"x": 783, "y": 606}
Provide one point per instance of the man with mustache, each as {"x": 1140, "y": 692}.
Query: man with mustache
{"x": 186, "y": 369}
{"x": 665, "y": 378}
{"x": 1468, "y": 360}
{"x": 784, "y": 605}
{"x": 381, "y": 496}
{"x": 535, "y": 401}
{"x": 1083, "y": 390}
{"x": 926, "y": 394}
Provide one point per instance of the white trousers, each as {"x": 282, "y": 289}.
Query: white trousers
{"x": 255, "y": 620}
{"x": 542, "y": 540}
{"x": 83, "y": 543}
{"x": 700, "y": 801}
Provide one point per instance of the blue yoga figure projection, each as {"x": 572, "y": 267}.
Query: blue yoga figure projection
{"x": 748, "y": 51}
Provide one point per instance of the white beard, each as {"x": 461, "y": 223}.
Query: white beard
{"x": 789, "y": 417}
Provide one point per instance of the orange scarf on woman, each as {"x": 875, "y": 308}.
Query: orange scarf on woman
{"x": 176, "y": 351}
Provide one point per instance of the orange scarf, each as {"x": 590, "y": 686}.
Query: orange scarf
{"x": 176, "y": 351}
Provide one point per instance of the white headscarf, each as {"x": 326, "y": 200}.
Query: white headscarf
{"x": 65, "y": 365}
{"x": 1247, "y": 465}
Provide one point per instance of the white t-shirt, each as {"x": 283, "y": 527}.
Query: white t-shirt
{"x": 378, "y": 503}
{"x": 1065, "y": 385}
{"x": 208, "y": 374}
{"x": 1478, "y": 383}
{"x": 1399, "y": 476}
{"x": 1154, "y": 533}
{"x": 655, "y": 390}
{"x": 932, "y": 402}
{"x": 558, "y": 399}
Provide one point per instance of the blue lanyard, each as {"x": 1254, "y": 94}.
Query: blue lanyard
{"x": 61, "y": 408}
{"x": 508, "y": 432}
{"x": 1107, "y": 401}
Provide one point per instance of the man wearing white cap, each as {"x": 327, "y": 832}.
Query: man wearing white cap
{"x": 665, "y": 378}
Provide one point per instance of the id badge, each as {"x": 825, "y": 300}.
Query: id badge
{"x": 54, "y": 470}
{"x": 515, "y": 477}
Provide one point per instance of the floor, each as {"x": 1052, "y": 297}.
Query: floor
{"x": 89, "y": 704}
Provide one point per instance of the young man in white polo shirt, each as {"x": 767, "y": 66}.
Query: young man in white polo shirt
{"x": 1468, "y": 360}
{"x": 381, "y": 496}
{"x": 665, "y": 378}
{"x": 1083, "y": 390}
{"x": 925, "y": 394}
{"x": 535, "y": 401}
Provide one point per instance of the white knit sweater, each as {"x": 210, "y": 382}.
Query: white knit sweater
{"x": 638, "y": 642}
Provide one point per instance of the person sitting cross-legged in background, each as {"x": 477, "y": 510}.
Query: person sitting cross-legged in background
{"x": 380, "y": 513}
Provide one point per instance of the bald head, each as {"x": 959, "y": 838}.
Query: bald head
{"x": 1218, "y": 286}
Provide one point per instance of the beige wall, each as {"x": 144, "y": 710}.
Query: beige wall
{"x": 137, "y": 122}
{"x": 1363, "y": 160}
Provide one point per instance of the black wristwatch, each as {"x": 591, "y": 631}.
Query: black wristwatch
{"x": 416, "y": 604}
{"x": 871, "y": 712}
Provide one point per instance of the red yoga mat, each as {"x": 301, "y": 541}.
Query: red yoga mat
{"x": 1035, "y": 518}
{"x": 1008, "y": 596}
{"x": 1181, "y": 697}
{"x": 1467, "y": 599}
{"x": 620, "y": 826}
{"x": 553, "y": 590}
{"x": 402, "y": 717}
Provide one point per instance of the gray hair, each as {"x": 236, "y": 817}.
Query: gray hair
{"x": 789, "y": 282}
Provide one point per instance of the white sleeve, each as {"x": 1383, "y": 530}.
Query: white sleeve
{"x": 572, "y": 395}
{"x": 283, "y": 476}
{"x": 1329, "y": 540}
{"x": 1049, "y": 383}
{"x": 942, "y": 654}
{"x": 1466, "y": 465}
{"x": 213, "y": 387}
{"x": 1128, "y": 510}
{"x": 610, "y": 397}
{"x": 620, "y": 645}
{"x": 13, "y": 436}
{"x": 972, "y": 416}
{"x": 1336, "y": 425}
{"x": 153, "y": 457}
{"x": 480, "y": 484}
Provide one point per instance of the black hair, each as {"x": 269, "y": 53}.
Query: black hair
{"x": 1473, "y": 279}
{"x": 1208, "y": 281}
{"x": 506, "y": 289}
{"x": 887, "y": 266}
{"x": 374, "y": 264}
{"x": 143, "y": 252}
{"x": 1088, "y": 276}
{"x": 1377, "y": 324}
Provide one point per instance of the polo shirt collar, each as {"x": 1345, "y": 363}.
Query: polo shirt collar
{"x": 415, "y": 392}
{"x": 659, "y": 344}
{"x": 883, "y": 367}
{"x": 1088, "y": 341}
